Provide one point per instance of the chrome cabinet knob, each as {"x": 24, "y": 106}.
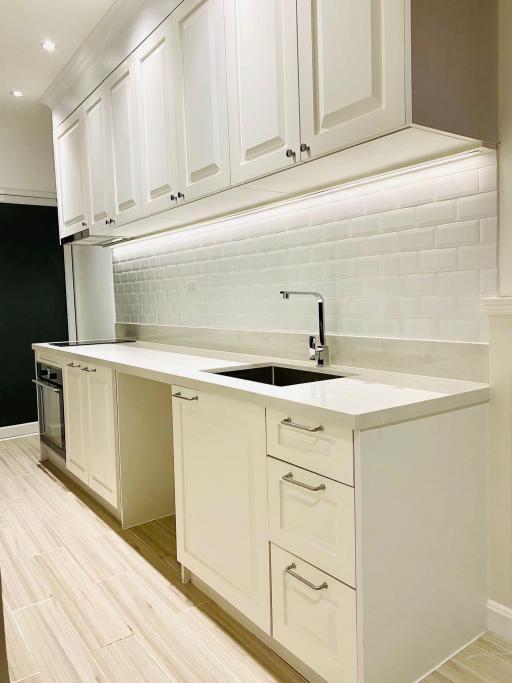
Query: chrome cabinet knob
{"x": 173, "y": 198}
{"x": 181, "y": 195}
{"x": 304, "y": 147}
{"x": 290, "y": 153}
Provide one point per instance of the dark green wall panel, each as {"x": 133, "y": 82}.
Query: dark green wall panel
{"x": 32, "y": 302}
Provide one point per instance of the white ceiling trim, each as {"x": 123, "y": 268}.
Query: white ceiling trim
{"x": 120, "y": 31}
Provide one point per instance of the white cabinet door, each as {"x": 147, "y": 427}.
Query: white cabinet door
{"x": 99, "y": 172}
{"x": 221, "y": 502}
{"x": 314, "y": 617}
{"x": 77, "y": 420}
{"x": 263, "y": 98}
{"x": 102, "y": 452}
{"x": 70, "y": 173}
{"x": 199, "y": 65}
{"x": 123, "y": 137}
{"x": 351, "y": 71}
{"x": 157, "y": 124}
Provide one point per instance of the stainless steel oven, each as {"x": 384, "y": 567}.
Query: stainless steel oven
{"x": 50, "y": 404}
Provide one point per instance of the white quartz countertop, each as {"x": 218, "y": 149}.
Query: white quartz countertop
{"x": 364, "y": 399}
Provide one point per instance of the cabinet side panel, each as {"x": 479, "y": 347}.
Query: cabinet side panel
{"x": 454, "y": 66}
{"x": 145, "y": 449}
{"x": 421, "y": 516}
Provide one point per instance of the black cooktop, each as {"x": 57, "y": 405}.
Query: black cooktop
{"x": 91, "y": 342}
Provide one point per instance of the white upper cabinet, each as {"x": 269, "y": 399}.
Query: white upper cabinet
{"x": 98, "y": 160}
{"x": 351, "y": 71}
{"x": 199, "y": 67}
{"x": 123, "y": 138}
{"x": 157, "y": 126}
{"x": 262, "y": 73}
{"x": 70, "y": 173}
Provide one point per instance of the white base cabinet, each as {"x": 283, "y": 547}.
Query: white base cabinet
{"x": 365, "y": 570}
{"x": 221, "y": 500}
{"x": 91, "y": 427}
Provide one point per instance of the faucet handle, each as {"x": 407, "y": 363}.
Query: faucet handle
{"x": 312, "y": 347}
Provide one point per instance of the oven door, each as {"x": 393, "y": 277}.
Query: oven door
{"x": 50, "y": 401}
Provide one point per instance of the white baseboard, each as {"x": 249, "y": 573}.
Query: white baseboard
{"x": 499, "y": 619}
{"x": 19, "y": 430}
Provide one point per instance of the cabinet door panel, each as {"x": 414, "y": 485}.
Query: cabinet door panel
{"x": 102, "y": 452}
{"x": 221, "y": 503}
{"x": 77, "y": 421}
{"x": 120, "y": 87}
{"x": 261, "y": 45}
{"x": 197, "y": 30}
{"x": 351, "y": 71}
{"x": 318, "y": 626}
{"x": 157, "y": 125}
{"x": 69, "y": 161}
{"x": 99, "y": 184}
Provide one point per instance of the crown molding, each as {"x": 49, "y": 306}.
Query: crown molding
{"x": 120, "y": 31}
{"x": 498, "y": 305}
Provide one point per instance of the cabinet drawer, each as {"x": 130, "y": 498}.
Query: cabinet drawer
{"x": 318, "y": 625}
{"x": 319, "y": 445}
{"x": 317, "y": 525}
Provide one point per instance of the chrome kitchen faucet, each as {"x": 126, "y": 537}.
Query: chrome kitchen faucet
{"x": 318, "y": 351}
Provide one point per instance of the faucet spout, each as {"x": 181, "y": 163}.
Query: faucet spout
{"x": 319, "y": 351}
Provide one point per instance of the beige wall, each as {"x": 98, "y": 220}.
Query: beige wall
{"x": 500, "y": 348}
{"x": 26, "y": 157}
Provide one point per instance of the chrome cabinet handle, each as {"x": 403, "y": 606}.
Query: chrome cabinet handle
{"x": 173, "y": 198}
{"x": 86, "y": 369}
{"x": 181, "y": 195}
{"x": 178, "y": 394}
{"x": 288, "y": 422}
{"x": 72, "y": 365}
{"x": 304, "y": 147}
{"x": 289, "y": 477}
{"x": 290, "y": 153}
{"x": 289, "y": 570}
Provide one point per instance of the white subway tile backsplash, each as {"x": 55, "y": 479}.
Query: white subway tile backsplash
{"x": 457, "y": 234}
{"x": 477, "y": 206}
{"x": 435, "y": 260}
{"x": 406, "y": 255}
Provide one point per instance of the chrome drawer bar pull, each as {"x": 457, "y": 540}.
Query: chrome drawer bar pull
{"x": 289, "y": 570}
{"x": 178, "y": 394}
{"x": 289, "y": 477}
{"x": 72, "y": 365}
{"x": 288, "y": 421}
{"x": 86, "y": 369}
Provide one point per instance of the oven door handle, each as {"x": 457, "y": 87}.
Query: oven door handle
{"x": 47, "y": 385}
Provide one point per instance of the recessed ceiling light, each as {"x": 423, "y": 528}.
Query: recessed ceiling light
{"x": 17, "y": 93}
{"x": 48, "y": 45}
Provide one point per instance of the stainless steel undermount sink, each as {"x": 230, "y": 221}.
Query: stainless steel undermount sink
{"x": 278, "y": 375}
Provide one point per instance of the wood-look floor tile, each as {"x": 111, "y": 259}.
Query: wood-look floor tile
{"x": 60, "y": 655}
{"x": 129, "y": 660}
{"x": 93, "y": 553}
{"x": 92, "y": 614}
{"x": 456, "y": 673}
{"x": 169, "y": 523}
{"x": 184, "y": 659}
{"x": 33, "y": 536}
{"x": 477, "y": 659}
{"x": 21, "y": 584}
{"x": 36, "y": 678}
{"x": 38, "y": 496}
{"x": 248, "y": 659}
{"x": 162, "y": 579}
{"x": 158, "y": 537}
{"x": 21, "y": 663}
{"x": 8, "y": 490}
{"x": 24, "y": 451}
{"x": 10, "y": 466}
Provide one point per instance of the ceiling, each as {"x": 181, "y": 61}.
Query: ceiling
{"x": 24, "y": 65}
